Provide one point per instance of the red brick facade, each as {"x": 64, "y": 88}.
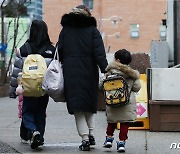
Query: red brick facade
{"x": 147, "y": 13}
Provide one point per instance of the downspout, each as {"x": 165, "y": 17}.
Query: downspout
{"x": 175, "y": 34}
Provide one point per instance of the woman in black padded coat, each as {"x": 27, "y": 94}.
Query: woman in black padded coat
{"x": 82, "y": 53}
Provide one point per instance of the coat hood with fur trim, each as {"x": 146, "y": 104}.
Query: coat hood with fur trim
{"x": 125, "y": 69}
{"x": 78, "y": 20}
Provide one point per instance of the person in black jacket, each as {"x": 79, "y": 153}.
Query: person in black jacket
{"x": 34, "y": 108}
{"x": 81, "y": 50}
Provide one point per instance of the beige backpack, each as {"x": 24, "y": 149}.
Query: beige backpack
{"x": 33, "y": 71}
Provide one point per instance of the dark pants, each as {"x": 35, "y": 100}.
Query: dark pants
{"x": 123, "y": 130}
{"x": 23, "y": 132}
{"x": 34, "y": 114}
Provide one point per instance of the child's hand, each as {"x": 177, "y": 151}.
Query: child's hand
{"x": 19, "y": 90}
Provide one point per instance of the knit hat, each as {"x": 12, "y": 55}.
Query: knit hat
{"x": 81, "y": 9}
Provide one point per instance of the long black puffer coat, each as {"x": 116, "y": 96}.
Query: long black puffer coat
{"x": 81, "y": 50}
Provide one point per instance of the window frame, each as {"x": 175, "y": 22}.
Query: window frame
{"x": 134, "y": 31}
{"x": 162, "y": 30}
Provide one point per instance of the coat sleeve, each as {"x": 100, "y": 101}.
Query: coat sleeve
{"x": 60, "y": 46}
{"x": 99, "y": 51}
{"x": 136, "y": 86}
{"x": 18, "y": 64}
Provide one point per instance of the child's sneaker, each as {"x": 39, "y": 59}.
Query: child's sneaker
{"x": 35, "y": 140}
{"x": 121, "y": 146}
{"x": 85, "y": 146}
{"x": 108, "y": 142}
{"x": 24, "y": 141}
{"x": 92, "y": 140}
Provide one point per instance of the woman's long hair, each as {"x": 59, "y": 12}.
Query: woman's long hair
{"x": 39, "y": 33}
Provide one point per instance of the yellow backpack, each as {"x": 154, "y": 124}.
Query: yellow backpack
{"x": 116, "y": 91}
{"x": 33, "y": 71}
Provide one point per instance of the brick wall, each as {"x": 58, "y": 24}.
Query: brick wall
{"x": 147, "y": 13}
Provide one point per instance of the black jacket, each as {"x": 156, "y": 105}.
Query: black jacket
{"x": 81, "y": 50}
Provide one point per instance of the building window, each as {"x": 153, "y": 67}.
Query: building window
{"x": 162, "y": 32}
{"x": 88, "y": 3}
{"x": 39, "y": 5}
{"x": 134, "y": 30}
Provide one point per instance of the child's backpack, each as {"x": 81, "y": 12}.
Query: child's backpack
{"x": 116, "y": 92}
{"x": 33, "y": 71}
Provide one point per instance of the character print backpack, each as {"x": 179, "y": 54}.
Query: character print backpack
{"x": 33, "y": 71}
{"x": 115, "y": 90}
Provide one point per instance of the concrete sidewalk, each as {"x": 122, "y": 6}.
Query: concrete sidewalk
{"x": 61, "y": 135}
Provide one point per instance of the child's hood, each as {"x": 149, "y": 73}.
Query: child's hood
{"x": 125, "y": 69}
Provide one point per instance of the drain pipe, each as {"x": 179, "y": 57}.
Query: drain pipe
{"x": 175, "y": 34}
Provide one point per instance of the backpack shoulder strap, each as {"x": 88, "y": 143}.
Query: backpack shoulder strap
{"x": 28, "y": 47}
{"x": 42, "y": 49}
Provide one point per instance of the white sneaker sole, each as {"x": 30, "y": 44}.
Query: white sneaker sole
{"x": 121, "y": 149}
{"x": 24, "y": 141}
{"x": 108, "y": 145}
